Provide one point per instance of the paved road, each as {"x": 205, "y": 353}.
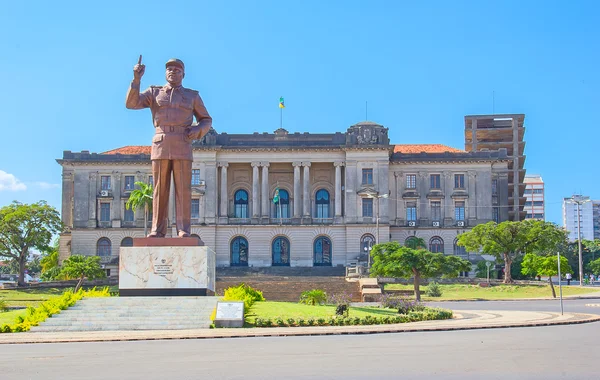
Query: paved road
{"x": 558, "y": 352}
{"x": 569, "y": 305}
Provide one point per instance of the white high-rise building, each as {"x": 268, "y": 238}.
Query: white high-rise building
{"x": 534, "y": 197}
{"x": 586, "y": 217}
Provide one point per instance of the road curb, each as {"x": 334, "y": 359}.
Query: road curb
{"x": 283, "y": 331}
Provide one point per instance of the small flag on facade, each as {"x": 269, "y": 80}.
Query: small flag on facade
{"x": 276, "y": 196}
{"x": 281, "y": 105}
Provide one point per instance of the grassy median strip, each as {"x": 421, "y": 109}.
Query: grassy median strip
{"x": 495, "y": 292}
{"x": 28, "y": 297}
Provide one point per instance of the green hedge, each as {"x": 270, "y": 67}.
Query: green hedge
{"x": 50, "y": 307}
{"x": 429, "y": 314}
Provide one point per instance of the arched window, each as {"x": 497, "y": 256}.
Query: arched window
{"x": 239, "y": 252}
{"x": 458, "y": 249}
{"x": 366, "y": 244}
{"x": 322, "y": 202}
{"x": 436, "y": 245}
{"x": 127, "y": 242}
{"x": 282, "y": 203}
{"x": 281, "y": 252}
{"x": 322, "y": 252}
{"x": 415, "y": 242}
{"x": 103, "y": 247}
{"x": 241, "y": 204}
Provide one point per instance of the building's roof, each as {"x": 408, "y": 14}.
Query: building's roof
{"x": 425, "y": 148}
{"x": 130, "y": 149}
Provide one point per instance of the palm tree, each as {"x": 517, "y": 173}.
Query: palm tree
{"x": 141, "y": 197}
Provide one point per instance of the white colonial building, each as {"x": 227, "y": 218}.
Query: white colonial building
{"x": 339, "y": 193}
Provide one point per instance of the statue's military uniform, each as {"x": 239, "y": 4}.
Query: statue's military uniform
{"x": 173, "y": 111}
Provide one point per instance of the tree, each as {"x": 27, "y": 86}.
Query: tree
{"x": 24, "y": 227}
{"x": 139, "y": 198}
{"x": 536, "y": 265}
{"x": 79, "y": 266}
{"x": 594, "y": 266}
{"x": 393, "y": 260}
{"x": 49, "y": 262}
{"x": 509, "y": 240}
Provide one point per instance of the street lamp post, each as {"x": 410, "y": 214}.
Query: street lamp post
{"x": 579, "y": 200}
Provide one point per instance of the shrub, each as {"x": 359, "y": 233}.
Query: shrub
{"x": 342, "y": 303}
{"x": 405, "y": 306}
{"x": 245, "y": 293}
{"x": 434, "y": 290}
{"x": 313, "y": 297}
{"x": 3, "y": 306}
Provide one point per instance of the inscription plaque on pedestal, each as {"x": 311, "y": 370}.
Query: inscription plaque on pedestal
{"x": 153, "y": 270}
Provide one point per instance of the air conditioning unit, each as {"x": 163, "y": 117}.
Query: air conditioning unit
{"x": 412, "y": 224}
{"x": 202, "y": 182}
{"x": 436, "y": 224}
{"x": 104, "y": 193}
{"x": 460, "y": 223}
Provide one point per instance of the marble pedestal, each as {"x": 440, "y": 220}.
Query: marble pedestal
{"x": 166, "y": 267}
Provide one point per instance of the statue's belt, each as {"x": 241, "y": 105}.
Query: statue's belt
{"x": 172, "y": 129}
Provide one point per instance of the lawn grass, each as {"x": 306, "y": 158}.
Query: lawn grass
{"x": 28, "y": 297}
{"x": 498, "y": 292}
{"x": 269, "y": 309}
{"x": 9, "y": 317}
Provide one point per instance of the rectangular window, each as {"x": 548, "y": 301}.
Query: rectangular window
{"x": 495, "y": 187}
{"x": 367, "y": 207}
{"x": 539, "y": 204}
{"x": 105, "y": 182}
{"x": 538, "y": 191}
{"x": 411, "y": 211}
{"x": 367, "y": 176}
{"x": 436, "y": 210}
{"x": 195, "y": 208}
{"x": 528, "y": 203}
{"x": 459, "y": 181}
{"x": 129, "y": 182}
{"x": 528, "y": 191}
{"x": 459, "y": 210}
{"x": 195, "y": 176}
{"x": 539, "y": 216}
{"x": 105, "y": 212}
{"x": 411, "y": 181}
{"x": 435, "y": 181}
{"x": 128, "y": 216}
{"x": 496, "y": 215}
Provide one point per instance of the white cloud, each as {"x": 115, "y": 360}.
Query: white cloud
{"x": 10, "y": 182}
{"x": 46, "y": 185}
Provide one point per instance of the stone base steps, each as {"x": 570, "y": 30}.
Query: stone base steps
{"x": 133, "y": 313}
{"x": 289, "y": 288}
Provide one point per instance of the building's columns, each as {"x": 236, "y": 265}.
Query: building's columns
{"x": 448, "y": 207}
{"x": 297, "y": 197}
{"x": 93, "y": 203}
{"x": 265, "y": 190}
{"x": 422, "y": 206}
{"x": 211, "y": 193}
{"x": 352, "y": 185}
{"x": 223, "y": 212}
{"x": 255, "y": 190}
{"x": 471, "y": 212}
{"x": 398, "y": 202}
{"x": 67, "y": 198}
{"x": 338, "y": 188}
{"x": 306, "y": 193}
{"x": 116, "y": 204}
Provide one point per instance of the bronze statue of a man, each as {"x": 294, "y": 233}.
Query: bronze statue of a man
{"x": 173, "y": 109}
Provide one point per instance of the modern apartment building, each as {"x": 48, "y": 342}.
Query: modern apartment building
{"x": 534, "y": 197}
{"x": 584, "y": 206}
{"x": 492, "y": 132}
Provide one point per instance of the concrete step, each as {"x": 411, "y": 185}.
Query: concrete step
{"x": 133, "y": 313}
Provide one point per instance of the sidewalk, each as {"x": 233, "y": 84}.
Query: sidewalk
{"x": 463, "y": 320}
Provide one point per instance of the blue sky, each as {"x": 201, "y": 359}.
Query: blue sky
{"x": 422, "y": 66}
